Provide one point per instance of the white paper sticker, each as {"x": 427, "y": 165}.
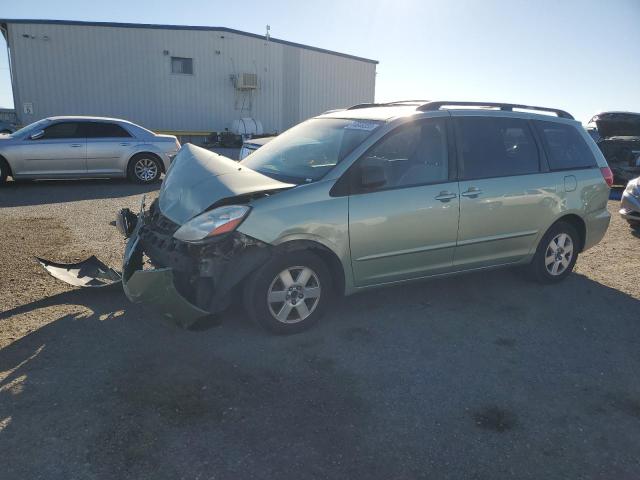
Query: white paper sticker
{"x": 362, "y": 125}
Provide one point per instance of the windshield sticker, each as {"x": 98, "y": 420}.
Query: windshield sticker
{"x": 360, "y": 125}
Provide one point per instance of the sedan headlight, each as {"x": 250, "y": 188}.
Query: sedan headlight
{"x": 214, "y": 222}
{"x": 633, "y": 188}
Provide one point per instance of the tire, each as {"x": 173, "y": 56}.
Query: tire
{"x": 144, "y": 169}
{"x": 294, "y": 313}
{"x": 634, "y": 224}
{"x": 567, "y": 243}
{"x": 4, "y": 170}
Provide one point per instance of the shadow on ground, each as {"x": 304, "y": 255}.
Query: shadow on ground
{"x": 42, "y": 192}
{"x": 483, "y": 376}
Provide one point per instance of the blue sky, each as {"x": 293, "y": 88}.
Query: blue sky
{"x": 582, "y": 56}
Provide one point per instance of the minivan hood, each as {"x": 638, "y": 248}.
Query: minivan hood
{"x": 198, "y": 178}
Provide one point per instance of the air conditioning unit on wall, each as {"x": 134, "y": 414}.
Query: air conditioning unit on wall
{"x": 246, "y": 81}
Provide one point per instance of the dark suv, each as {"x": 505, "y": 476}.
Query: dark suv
{"x": 618, "y": 136}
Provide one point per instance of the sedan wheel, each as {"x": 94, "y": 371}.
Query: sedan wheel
{"x": 146, "y": 170}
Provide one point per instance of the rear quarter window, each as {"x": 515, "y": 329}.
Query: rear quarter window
{"x": 566, "y": 149}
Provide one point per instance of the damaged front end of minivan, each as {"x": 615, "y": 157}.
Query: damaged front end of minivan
{"x": 183, "y": 254}
{"x": 185, "y": 281}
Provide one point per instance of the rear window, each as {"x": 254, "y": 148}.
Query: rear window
{"x": 103, "y": 130}
{"x": 496, "y": 147}
{"x": 566, "y": 148}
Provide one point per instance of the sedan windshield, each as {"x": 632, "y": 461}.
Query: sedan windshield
{"x": 32, "y": 127}
{"x": 306, "y": 152}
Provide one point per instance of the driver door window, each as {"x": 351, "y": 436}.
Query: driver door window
{"x": 61, "y": 130}
{"x": 415, "y": 154}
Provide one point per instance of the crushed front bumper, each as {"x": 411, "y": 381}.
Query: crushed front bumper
{"x": 186, "y": 283}
{"x": 155, "y": 287}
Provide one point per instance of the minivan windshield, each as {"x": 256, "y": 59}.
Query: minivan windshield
{"x": 306, "y": 152}
{"x": 32, "y": 127}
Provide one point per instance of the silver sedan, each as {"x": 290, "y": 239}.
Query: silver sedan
{"x": 630, "y": 203}
{"x": 85, "y": 147}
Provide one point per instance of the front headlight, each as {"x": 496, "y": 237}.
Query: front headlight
{"x": 214, "y": 222}
{"x": 633, "y": 188}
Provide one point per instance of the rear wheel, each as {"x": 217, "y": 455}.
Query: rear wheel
{"x": 4, "y": 170}
{"x": 556, "y": 254}
{"x": 144, "y": 168}
{"x": 289, "y": 293}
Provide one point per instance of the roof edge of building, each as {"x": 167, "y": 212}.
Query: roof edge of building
{"x": 182, "y": 27}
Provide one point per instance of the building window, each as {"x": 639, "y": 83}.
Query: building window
{"x": 182, "y": 65}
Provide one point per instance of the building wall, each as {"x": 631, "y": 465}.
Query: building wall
{"x": 123, "y": 72}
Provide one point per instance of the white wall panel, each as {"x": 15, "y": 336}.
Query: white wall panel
{"x": 123, "y": 72}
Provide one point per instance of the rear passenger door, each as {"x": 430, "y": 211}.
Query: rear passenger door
{"x": 108, "y": 146}
{"x": 405, "y": 227}
{"x": 506, "y": 199}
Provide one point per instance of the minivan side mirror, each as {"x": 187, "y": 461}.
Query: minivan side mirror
{"x": 37, "y": 135}
{"x": 372, "y": 173}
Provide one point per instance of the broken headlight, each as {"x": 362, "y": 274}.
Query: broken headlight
{"x": 212, "y": 223}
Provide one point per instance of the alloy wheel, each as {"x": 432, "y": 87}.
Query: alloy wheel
{"x": 558, "y": 254}
{"x": 146, "y": 169}
{"x": 294, "y": 294}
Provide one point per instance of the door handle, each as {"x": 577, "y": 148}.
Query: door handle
{"x": 473, "y": 192}
{"x": 74, "y": 145}
{"x": 445, "y": 196}
{"x": 124, "y": 144}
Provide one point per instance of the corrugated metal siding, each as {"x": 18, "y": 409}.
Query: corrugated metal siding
{"x": 350, "y": 83}
{"x": 123, "y": 72}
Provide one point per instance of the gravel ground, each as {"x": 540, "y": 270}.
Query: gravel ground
{"x": 484, "y": 376}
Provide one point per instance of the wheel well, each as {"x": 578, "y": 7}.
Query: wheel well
{"x": 4, "y": 160}
{"x": 327, "y": 255}
{"x": 151, "y": 154}
{"x": 578, "y": 224}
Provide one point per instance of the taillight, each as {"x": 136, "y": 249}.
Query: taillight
{"x": 608, "y": 175}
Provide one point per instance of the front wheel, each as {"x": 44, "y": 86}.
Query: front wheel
{"x": 556, "y": 254}
{"x": 144, "y": 169}
{"x": 289, "y": 293}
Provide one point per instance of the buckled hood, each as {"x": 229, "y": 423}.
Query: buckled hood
{"x": 199, "y": 178}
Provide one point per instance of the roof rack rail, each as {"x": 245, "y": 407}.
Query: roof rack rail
{"x": 400, "y": 102}
{"x": 388, "y": 104}
{"x": 364, "y": 105}
{"x": 432, "y": 106}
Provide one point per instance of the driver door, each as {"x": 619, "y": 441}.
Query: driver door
{"x": 60, "y": 151}
{"x": 406, "y": 225}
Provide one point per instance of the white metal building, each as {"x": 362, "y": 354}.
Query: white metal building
{"x": 176, "y": 78}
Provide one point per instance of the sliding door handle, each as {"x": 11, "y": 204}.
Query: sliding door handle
{"x": 473, "y": 192}
{"x": 445, "y": 196}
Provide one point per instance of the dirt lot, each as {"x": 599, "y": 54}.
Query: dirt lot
{"x": 484, "y": 376}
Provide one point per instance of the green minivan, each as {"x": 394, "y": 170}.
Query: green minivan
{"x": 372, "y": 195}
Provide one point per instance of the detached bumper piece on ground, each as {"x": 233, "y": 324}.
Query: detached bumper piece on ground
{"x": 88, "y": 273}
